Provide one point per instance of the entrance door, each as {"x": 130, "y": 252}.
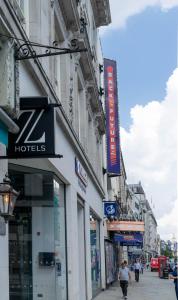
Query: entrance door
{"x": 81, "y": 252}
{"x": 37, "y": 253}
{"x": 20, "y": 255}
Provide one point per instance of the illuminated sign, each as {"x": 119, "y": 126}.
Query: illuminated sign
{"x": 112, "y": 122}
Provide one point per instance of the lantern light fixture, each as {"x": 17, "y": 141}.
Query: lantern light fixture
{"x": 8, "y": 198}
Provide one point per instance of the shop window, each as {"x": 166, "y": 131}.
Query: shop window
{"x": 37, "y": 249}
{"x": 95, "y": 254}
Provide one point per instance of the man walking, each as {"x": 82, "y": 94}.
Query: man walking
{"x": 124, "y": 277}
{"x": 137, "y": 268}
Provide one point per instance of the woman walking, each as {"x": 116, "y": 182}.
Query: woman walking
{"x": 124, "y": 277}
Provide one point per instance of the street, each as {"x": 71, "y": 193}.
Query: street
{"x": 150, "y": 287}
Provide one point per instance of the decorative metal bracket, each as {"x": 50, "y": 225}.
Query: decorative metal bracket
{"x": 26, "y": 50}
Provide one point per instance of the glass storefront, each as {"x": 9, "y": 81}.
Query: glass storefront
{"x": 111, "y": 258}
{"x": 37, "y": 250}
{"x": 95, "y": 254}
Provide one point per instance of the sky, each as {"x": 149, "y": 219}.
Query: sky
{"x": 142, "y": 38}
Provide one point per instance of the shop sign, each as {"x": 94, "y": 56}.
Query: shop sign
{"x": 81, "y": 173}
{"x": 126, "y": 226}
{"x": 110, "y": 209}
{"x": 112, "y": 119}
{"x": 129, "y": 239}
{"x": 36, "y": 135}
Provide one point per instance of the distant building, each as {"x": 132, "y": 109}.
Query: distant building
{"x": 150, "y": 235}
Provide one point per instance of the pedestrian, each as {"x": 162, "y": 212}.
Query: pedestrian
{"x": 147, "y": 265}
{"x": 137, "y": 268}
{"x": 124, "y": 277}
{"x": 175, "y": 277}
{"x": 142, "y": 267}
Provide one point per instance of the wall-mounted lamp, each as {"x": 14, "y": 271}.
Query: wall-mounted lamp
{"x": 8, "y": 198}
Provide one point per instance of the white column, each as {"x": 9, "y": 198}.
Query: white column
{"x": 72, "y": 243}
{"x": 103, "y": 272}
{"x": 88, "y": 251}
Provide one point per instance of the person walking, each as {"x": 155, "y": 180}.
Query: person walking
{"x": 124, "y": 277}
{"x": 175, "y": 277}
{"x": 137, "y": 268}
{"x": 142, "y": 267}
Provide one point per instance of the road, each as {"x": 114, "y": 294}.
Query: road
{"x": 150, "y": 287}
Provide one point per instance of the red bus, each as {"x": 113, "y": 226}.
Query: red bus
{"x": 154, "y": 264}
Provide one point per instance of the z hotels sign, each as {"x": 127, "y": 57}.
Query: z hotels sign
{"x": 36, "y": 135}
{"x": 112, "y": 122}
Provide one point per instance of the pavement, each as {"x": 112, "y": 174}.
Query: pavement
{"x": 150, "y": 287}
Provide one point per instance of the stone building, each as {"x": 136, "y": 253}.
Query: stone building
{"x": 150, "y": 236}
{"x": 55, "y": 241}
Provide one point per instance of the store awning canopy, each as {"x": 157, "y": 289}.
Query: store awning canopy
{"x": 126, "y": 226}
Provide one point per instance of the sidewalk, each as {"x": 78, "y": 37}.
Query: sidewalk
{"x": 150, "y": 287}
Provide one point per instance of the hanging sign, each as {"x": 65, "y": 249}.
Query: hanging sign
{"x": 36, "y": 135}
{"x": 112, "y": 122}
{"x": 81, "y": 173}
{"x": 110, "y": 209}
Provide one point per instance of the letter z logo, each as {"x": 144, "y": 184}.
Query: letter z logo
{"x": 31, "y": 123}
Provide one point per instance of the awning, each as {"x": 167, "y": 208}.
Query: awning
{"x": 126, "y": 226}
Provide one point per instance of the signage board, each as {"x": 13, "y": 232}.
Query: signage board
{"x": 80, "y": 171}
{"x": 129, "y": 239}
{"x": 110, "y": 209}
{"x": 112, "y": 120}
{"x": 126, "y": 226}
{"x": 36, "y": 135}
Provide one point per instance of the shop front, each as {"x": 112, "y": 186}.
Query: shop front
{"x": 37, "y": 241}
{"x": 111, "y": 259}
{"x": 95, "y": 254}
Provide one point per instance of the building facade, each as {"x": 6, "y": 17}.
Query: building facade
{"x": 150, "y": 246}
{"x": 55, "y": 241}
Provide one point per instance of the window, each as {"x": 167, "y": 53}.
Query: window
{"x": 37, "y": 247}
{"x": 95, "y": 253}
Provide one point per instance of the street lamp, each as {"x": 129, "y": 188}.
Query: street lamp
{"x": 8, "y": 198}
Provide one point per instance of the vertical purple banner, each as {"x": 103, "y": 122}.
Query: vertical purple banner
{"x": 112, "y": 122}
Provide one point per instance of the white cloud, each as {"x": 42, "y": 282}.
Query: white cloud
{"x": 122, "y": 10}
{"x": 149, "y": 151}
{"x": 168, "y": 223}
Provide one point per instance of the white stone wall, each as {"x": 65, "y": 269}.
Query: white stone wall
{"x": 63, "y": 80}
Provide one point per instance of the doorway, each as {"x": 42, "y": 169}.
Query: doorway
{"x": 37, "y": 241}
{"x": 81, "y": 250}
